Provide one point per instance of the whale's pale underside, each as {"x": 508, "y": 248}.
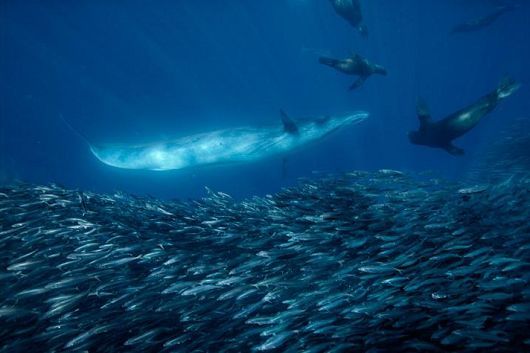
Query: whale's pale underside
{"x": 223, "y": 146}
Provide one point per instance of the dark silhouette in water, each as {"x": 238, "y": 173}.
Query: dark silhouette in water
{"x": 289, "y": 125}
{"x": 481, "y": 22}
{"x": 440, "y": 134}
{"x": 355, "y": 65}
{"x": 350, "y": 10}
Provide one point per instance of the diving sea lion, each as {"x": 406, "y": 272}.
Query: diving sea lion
{"x": 355, "y": 65}
{"x": 482, "y": 22}
{"x": 440, "y": 134}
{"x": 350, "y": 10}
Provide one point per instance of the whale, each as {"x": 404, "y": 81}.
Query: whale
{"x": 235, "y": 145}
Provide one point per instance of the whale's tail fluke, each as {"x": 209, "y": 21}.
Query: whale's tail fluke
{"x": 507, "y": 87}
{"x": 324, "y": 60}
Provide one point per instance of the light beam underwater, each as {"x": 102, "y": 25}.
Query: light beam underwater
{"x": 223, "y": 146}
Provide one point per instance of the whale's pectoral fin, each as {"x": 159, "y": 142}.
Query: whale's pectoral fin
{"x": 453, "y": 150}
{"x": 358, "y": 83}
{"x": 424, "y": 115}
{"x": 289, "y": 125}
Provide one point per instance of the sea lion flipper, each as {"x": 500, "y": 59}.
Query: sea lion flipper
{"x": 507, "y": 86}
{"x": 289, "y": 125}
{"x": 453, "y": 150}
{"x": 378, "y": 69}
{"x": 358, "y": 83}
{"x": 424, "y": 114}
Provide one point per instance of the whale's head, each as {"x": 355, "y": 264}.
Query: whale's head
{"x": 319, "y": 127}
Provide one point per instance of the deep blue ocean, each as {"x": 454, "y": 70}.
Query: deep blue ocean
{"x": 129, "y": 71}
{"x": 123, "y": 228}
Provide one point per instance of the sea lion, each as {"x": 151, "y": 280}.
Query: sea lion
{"x": 440, "y": 134}
{"x": 355, "y": 65}
{"x": 482, "y": 22}
{"x": 350, "y": 10}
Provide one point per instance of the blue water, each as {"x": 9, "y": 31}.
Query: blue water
{"x": 139, "y": 71}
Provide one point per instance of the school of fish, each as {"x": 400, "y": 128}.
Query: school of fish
{"x": 506, "y": 157}
{"x": 359, "y": 262}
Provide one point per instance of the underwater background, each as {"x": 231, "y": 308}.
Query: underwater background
{"x": 142, "y": 71}
{"x": 359, "y": 242}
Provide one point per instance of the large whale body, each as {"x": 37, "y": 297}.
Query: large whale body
{"x": 223, "y": 146}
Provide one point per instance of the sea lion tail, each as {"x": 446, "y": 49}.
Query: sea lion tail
{"x": 324, "y": 60}
{"x": 507, "y": 87}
